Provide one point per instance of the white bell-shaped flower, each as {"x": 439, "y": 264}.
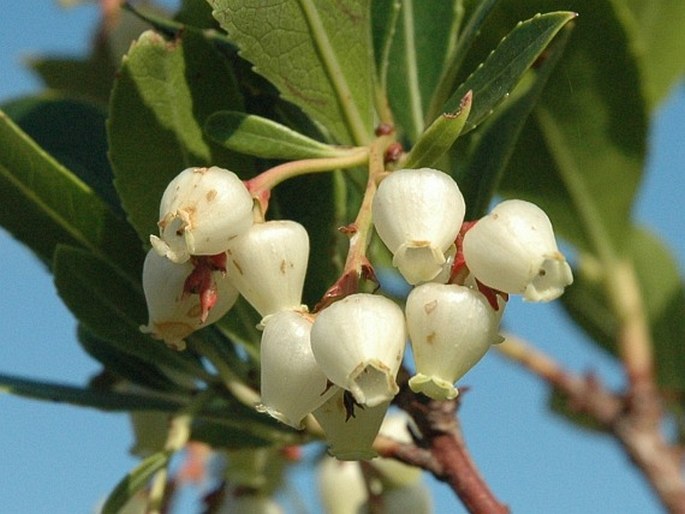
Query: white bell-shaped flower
{"x": 268, "y": 264}
{"x": 417, "y": 214}
{"x": 451, "y": 327}
{"x": 350, "y": 429}
{"x": 173, "y": 312}
{"x": 341, "y": 486}
{"x": 359, "y": 342}
{"x": 415, "y": 498}
{"x": 392, "y": 472}
{"x": 292, "y": 383}
{"x": 201, "y": 210}
{"x": 513, "y": 250}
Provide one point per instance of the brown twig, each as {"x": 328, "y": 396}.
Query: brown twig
{"x": 440, "y": 448}
{"x": 633, "y": 419}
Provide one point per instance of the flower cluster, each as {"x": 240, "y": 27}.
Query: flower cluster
{"x": 340, "y": 364}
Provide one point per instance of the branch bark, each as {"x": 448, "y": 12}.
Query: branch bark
{"x": 441, "y": 449}
{"x": 634, "y": 419}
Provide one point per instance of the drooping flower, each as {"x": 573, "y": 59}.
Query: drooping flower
{"x": 268, "y": 264}
{"x": 451, "y": 327}
{"x": 292, "y": 383}
{"x": 201, "y": 210}
{"x": 358, "y": 342}
{"x": 341, "y": 486}
{"x": 174, "y": 312}
{"x": 417, "y": 214}
{"x": 513, "y": 250}
{"x": 350, "y": 429}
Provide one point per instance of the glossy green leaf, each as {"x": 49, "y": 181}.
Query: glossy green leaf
{"x": 663, "y": 295}
{"x": 124, "y": 365}
{"x": 502, "y": 70}
{"x": 315, "y": 53}
{"x": 439, "y": 137}
{"x": 135, "y": 481}
{"x": 262, "y": 137}
{"x": 83, "y": 397}
{"x": 487, "y": 156}
{"x": 424, "y": 40}
{"x": 657, "y": 35}
{"x": 457, "y": 55}
{"x": 90, "y": 78}
{"x": 113, "y": 310}
{"x": 73, "y": 132}
{"x": 44, "y": 204}
{"x": 581, "y": 155}
{"x": 164, "y": 92}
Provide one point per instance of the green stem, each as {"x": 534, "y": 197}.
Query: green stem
{"x": 270, "y": 178}
{"x": 358, "y": 129}
{"x": 233, "y": 383}
{"x": 177, "y": 437}
{"x": 621, "y": 283}
{"x": 412, "y": 76}
{"x": 363, "y": 223}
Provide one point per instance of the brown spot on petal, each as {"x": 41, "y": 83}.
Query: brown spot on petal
{"x": 211, "y": 195}
{"x": 237, "y": 266}
{"x": 430, "y": 338}
{"x": 430, "y": 306}
{"x": 284, "y": 265}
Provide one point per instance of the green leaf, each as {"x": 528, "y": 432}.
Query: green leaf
{"x": 164, "y": 92}
{"x": 83, "y": 397}
{"x": 44, "y": 204}
{"x": 657, "y": 35}
{"x": 384, "y": 16}
{"x": 581, "y": 155}
{"x": 261, "y": 137}
{"x": 73, "y": 132}
{"x": 489, "y": 152}
{"x": 439, "y": 137}
{"x": 663, "y": 296}
{"x": 502, "y": 70}
{"x": 113, "y": 310}
{"x": 422, "y": 44}
{"x": 456, "y": 57}
{"x": 135, "y": 481}
{"x": 315, "y": 53}
{"x": 124, "y": 365}
{"x": 90, "y": 78}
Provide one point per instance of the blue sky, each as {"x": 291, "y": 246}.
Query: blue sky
{"x": 61, "y": 459}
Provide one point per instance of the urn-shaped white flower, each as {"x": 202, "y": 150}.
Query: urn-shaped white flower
{"x": 174, "y": 313}
{"x": 450, "y": 329}
{"x": 359, "y": 342}
{"x": 350, "y": 429}
{"x": 268, "y": 264}
{"x": 513, "y": 250}
{"x": 417, "y": 214}
{"x": 341, "y": 486}
{"x": 292, "y": 383}
{"x": 201, "y": 210}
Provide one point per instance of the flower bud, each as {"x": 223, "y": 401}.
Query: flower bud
{"x": 268, "y": 264}
{"x": 417, "y": 214}
{"x": 201, "y": 210}
{"x": 173, "y": 312}
{"x": 359, "y": 342}
{"x": 293, "y": 385}
{"x": 350, "y": 429}
{"x": 450, "y": 329}
{"x": 513, "y": 250}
